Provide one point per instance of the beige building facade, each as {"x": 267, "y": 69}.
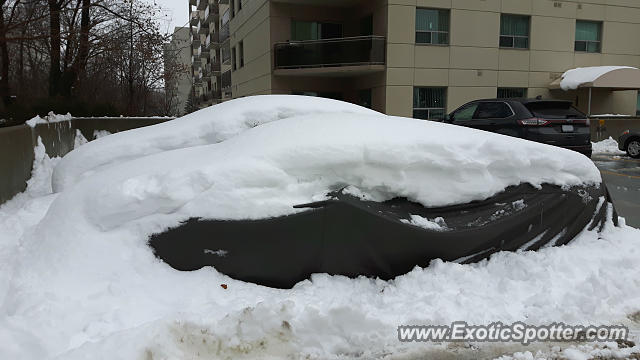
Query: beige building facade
{"x": 425, "y": 58}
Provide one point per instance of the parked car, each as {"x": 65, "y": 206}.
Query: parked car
{"x": 553, "y": 122}
{"x": 629, "y": 141}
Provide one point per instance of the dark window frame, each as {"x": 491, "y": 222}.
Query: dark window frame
{"x": 586, "y": 43}
{"x": 434, "y": 32}
{"x": 429, "y": 110}
{"x": 514, "y": 37}
{"x": 234, "y": 63}
{"x": 241, "y": 54}
{"x": 513, "y": 90}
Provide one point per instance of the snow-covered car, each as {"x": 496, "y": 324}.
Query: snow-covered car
{"x": 629, "y": 141}
{"x": 272, "y": 189}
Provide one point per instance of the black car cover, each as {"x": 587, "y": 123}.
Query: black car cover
{"x": 349, "y": 236}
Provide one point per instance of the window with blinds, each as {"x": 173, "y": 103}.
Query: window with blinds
{"x": 432, "y": 26}
{"x": 588, "y": 36}
{"x": 429, "y": 103}
{"x": 514, "y": 31}
{"x": 511, "y": 93}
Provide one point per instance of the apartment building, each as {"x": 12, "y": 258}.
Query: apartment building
{"x": 210, "y": 52}
{"x": 177, "y": 58}
{"x": 425, "y": 58}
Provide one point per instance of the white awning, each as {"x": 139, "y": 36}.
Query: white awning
{"x": 611, "y": 77}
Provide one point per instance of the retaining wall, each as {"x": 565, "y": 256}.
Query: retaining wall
{"x": 603, "y": 127}
{"x": 17, "y": 144}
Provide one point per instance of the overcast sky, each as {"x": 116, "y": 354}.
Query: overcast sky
{"x": 176, "y": 11}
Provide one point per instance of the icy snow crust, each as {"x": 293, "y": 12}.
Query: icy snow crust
{"x": 84, "y": 284}
{"x": 572, "y": 79}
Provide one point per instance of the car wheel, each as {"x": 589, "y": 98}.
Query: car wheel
{"x": 633, "y": 148}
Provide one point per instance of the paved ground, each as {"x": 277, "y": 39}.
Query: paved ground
{"x": 622, "y": 176}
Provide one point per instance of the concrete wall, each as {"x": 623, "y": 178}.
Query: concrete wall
{"x": 16, "y": 157}
{"x": 251, "y": 26}
{"x": 603, "y": 128}
{"x": 17, "y": 144}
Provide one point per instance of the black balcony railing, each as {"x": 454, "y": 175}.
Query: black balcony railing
{"x": 352, "y": 51}
{"x": 224, "y": 33}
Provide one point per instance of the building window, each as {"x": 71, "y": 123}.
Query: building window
{"x": 233, "y": 59}
{"x": 232, "y": 8}
{"x": 429, "y": 103}
{"x": 510, "y": 93}
{"x": 239, "y": 4}
{"x": 311, "y": 30}
{"x": 588, "y": 36}
{"x": 638, "y": 105}
{"x": 241, "y": 53}
{"x": 514, "y": 31}
{"x": 432, "y": 26}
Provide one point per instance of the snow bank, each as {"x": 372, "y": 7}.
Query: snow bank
{"x": 51, "y": 118}
{"x": 607, "y": 146}
{"x": 24, "y": 211}
{"x": 610, "y": 115}
{"x": 572, "y": 79}
{"x": 207, "y": 126}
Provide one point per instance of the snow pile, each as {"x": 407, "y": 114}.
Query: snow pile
{"x": 437, "y": 224}
{"x": 572, "y": 79}
{"x": 51, "y": 118}
{"x": 607, "y": 146}
{"x": 606, "y": 350}
{"x": 207, "y": 126}
{"x": 610, "y": 115}
{"x": 85, "y": 284}
{"x": 79, "y": 140}
{"x": 97, "y": 134}
{"x": 23, "y": 211}
{"x": 265, "y": 171}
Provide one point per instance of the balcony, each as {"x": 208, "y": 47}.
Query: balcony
{"x": 195, "y": 41}
{"x": 204, "y": 52}
{"x": 202, "y": 4}
{"x": 224, "y": 33}
{"x": 211, "y": 13}
{"x": 226, "y": 81}
{"x": 339, "y": 57}
{"x": 203, "y": 27}
{"x": 212, "y": 41}
{"x": 226, "y": 54}
{"x": 195, "y": 16}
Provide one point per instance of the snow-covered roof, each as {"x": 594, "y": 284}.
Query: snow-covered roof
{"x": 620, "y": 77}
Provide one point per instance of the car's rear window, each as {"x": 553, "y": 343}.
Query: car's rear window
{"x": 555, "y": 110}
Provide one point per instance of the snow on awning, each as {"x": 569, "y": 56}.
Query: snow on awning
{"x": 613, "y": 77}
